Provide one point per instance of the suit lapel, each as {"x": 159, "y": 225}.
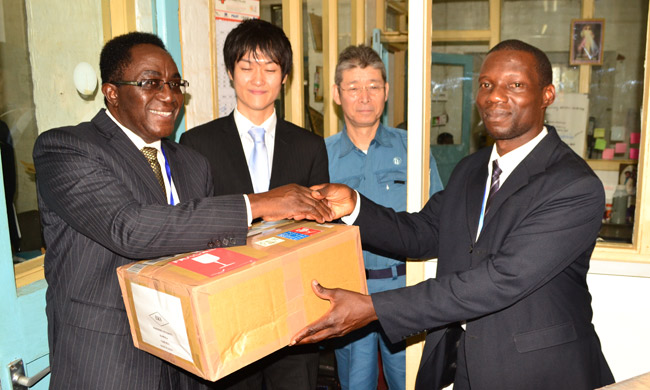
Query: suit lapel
{"x": 475, "y": 190}
{"x": 128, "y": 155}
{"x": 178, "y": 175}
{"x": 229, "y": 136}
{"x": 534, "y": 164}
{"x": 280, "y": 151}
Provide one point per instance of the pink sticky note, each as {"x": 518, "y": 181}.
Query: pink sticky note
{"x": 620, "y": 147}
{"x": 608, "y": 154}
{"x": 634, "y": 154}
{"x": 635, "y": 138}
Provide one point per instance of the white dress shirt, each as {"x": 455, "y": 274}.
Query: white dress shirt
{"x": 139, "y": 143}
{"x": 507, "y": 163}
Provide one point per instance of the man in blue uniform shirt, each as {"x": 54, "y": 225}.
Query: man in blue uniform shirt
{"x": 371, "y": 158}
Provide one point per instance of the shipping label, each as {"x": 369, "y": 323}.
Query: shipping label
{"x": 214, "y": 261}
{"x": 160, "y": 318}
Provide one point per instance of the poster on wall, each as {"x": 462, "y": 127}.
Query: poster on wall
{"x": 228, "y": 14}
{"x": 569, "y": 115}
{"x": 587, "y": 37}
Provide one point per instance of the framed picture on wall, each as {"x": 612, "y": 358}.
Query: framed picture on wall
{"x": 587, "y": 38}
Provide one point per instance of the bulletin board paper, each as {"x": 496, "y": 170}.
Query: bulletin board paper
{"x": 569, "y": 114}
{"x": 228, "y": 14}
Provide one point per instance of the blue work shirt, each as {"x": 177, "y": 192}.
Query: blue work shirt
{"x": 379, "y": 175}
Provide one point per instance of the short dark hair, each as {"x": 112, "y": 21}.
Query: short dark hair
{"x": 257, "y": 37}
{"x": 445, "y": 139}
{"x": 543, "y": 66}
{"x": 360, "y": 56}
{"x": 116, "y": 54}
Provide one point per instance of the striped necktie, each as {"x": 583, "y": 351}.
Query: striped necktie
{"x": 494, "y": 185}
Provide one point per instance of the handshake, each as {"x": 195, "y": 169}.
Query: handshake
{"x": 322, "y": 203}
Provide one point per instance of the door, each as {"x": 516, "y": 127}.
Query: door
{"x": 23, "y": 325}
{"x": 451, "y": 109}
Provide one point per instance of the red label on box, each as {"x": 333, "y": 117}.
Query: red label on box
{"x": 306, "y": 231}
{"x": 214, "y": 262}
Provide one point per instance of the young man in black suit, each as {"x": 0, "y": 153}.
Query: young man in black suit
{"x": 513, "y": 232}
{"x": 252, "y": 150}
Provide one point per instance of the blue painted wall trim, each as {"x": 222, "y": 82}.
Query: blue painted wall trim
{"x": 23, "y": 325}
{"x": 165, "y": 25}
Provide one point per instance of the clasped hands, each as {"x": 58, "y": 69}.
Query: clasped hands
{"x": 324, "y": 202}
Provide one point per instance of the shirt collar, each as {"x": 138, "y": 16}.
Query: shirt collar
{"x": 137, "y": 141}
{"x": 244, "y": 124}
{"x": 382, "y": 138}
{"x": 509, "y": 161}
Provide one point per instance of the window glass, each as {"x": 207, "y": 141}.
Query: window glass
{"x": 599, "y": 90}
{"x": 599, "y": 117}
{"x": 460, "y": 15}
{"x": 17, "y": 134}
{"x": 312, "y": 41}
{"x": 615, "y": 101}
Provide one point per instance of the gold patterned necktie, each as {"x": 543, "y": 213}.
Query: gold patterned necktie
{"x": 152, "y": 156}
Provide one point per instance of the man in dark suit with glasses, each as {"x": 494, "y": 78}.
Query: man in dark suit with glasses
{"x": 115, "y": 190}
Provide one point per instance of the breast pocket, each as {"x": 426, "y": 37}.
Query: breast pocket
{"x": 392, "y": 179}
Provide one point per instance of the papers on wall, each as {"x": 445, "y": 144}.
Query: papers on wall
{"x": 228, "y": 14}
{"x": 569, "y": 114}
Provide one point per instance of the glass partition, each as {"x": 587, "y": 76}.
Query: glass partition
{"x": 460, "y": 15}
{"x": 312, "y": 41}
{"x": 599, "y": 96}
{"x": 18, "y": 132}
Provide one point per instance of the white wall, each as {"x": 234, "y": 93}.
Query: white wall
{"x": 60, "y": 35}
{"x": 621, "y": 307}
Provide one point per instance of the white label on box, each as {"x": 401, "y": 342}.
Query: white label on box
{"x": 160, "y": 317}
{"x": 269, "y": 241}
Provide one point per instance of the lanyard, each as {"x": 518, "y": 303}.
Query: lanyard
{"x": 480, "y": 221}
{"x": 169, "y": 176}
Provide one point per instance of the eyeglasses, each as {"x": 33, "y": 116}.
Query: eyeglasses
{"x": 355, "y": 90}
{"x": 157, "y": 84}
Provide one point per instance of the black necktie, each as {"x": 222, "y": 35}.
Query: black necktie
{"x": 152, "y": 156}
{"x": 494, "y": 185}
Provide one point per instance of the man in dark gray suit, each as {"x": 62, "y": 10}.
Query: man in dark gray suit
{"x": 258, "y": 57}
{"x": 104, "y": 204}
{"x": 513, "y": 233}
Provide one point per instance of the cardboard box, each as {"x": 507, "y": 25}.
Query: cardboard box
{"x": 215, "y": 311}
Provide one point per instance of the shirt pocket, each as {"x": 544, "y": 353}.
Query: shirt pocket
{"x": 391, "y": 178}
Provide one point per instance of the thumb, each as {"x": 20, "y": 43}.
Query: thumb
{"x": 320, "y": 291}
{"x": 316, "y": 192}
